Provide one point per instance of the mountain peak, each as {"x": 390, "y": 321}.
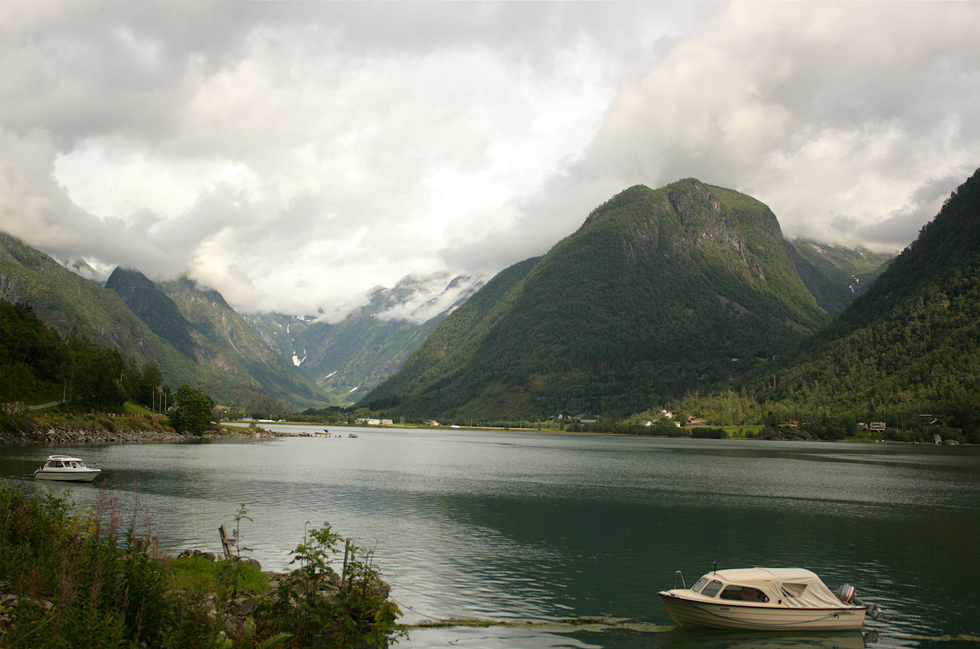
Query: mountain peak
{"x": 647, "y": 297}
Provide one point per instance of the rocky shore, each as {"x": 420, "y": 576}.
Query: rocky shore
{"x": 59, "y": 436}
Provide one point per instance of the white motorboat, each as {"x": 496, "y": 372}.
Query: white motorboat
{"x": 766, "y": 599}
{"x": 66, "y": 468}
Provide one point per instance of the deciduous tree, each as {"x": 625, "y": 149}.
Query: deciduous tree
{"x": 194, "y": 411}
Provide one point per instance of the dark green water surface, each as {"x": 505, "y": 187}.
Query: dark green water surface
{"x": 526, "y": 526}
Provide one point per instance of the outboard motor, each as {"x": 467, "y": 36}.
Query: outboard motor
{"x": 848, "y": 595}
{"x": 845, "y": 593}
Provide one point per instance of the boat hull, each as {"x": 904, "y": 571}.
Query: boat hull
{"x": 67, "y": 476}
{"x": 729, "y": 615}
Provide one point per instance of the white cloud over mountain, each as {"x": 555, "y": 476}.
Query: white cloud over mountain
{"x": 295, "y": 155}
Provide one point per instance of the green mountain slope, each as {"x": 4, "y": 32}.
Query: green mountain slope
{"x": 218, "y": 353}
{"x": 158, "y": 311}
{"x": 835, "y": 275}
{"x": 911, "y": 343}
{"x": 232, "y": 346}
{"x": 441, "y": 363}
{"x": 660, "y": 291}
{"x": 64, "y": 301}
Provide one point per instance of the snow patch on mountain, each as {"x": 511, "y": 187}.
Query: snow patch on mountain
{"x": 418, "y": 299}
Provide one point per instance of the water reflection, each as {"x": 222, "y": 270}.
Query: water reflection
{"x": 692, "y": 638}
{"x": 498, "y": 638}
{"x": 507, "y": 526}
{"x": 627, "y": 636}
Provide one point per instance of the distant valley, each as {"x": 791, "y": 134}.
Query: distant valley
{"x": 349, "y": 358}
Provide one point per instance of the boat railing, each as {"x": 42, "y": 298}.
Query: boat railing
{"x": 681, "y": 575}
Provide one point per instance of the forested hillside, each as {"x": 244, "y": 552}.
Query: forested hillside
{"x": 37, "y": 365}
{"x": 69, "y": 303}
{"x": 910, "y": 345}
{"x": 660, "y": 291}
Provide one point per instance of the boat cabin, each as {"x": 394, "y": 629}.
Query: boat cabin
{"x": 793, "y": 587}
{"x": 64, "y": 467}
{"x": 63, "y": 462}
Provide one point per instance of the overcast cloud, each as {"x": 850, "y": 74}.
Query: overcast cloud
{"x": 294, "y": 155}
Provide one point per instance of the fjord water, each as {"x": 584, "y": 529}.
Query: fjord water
{"x": 538, "y": 526}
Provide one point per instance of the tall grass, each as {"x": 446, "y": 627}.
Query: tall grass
{"x": 83, "y": 579}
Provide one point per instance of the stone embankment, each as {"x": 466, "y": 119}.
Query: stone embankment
{"x": 62, "y": 436}
{"x": 56, "y": 436}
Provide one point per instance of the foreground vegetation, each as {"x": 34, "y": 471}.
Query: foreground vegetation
{"x": 68, "y": 579}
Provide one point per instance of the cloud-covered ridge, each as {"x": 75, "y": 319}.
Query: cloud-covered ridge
{"x": 296, "y": 155}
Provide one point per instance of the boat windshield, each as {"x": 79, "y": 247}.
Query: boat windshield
{"x": 744, "y": 593}
{"x": 712, "y": 589}
{"x": 699, "y": 585}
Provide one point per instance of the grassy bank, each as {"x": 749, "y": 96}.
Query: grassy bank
{"x": 21, "y": 422}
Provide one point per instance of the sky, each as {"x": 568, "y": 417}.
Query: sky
{"x": 296, "y": 155}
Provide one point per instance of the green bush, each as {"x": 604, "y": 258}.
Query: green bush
{"x": 318, "y": 608}
{"x": 194, "y": 411}
{"x": 703, "y": 432}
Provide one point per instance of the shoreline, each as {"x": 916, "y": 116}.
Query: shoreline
{"x": 61, "y": 436}
{"x": 54, "y": 435}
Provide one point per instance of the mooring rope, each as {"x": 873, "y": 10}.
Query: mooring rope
{"x": 603, "y": 608}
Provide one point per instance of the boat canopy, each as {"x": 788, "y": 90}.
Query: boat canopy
{"x": 68, "y": 460}
{"x": 792, "y": 587}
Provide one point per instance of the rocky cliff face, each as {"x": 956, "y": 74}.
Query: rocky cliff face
{"x": 156, "y": 309}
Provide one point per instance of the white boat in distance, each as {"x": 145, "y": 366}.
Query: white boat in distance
{"x": 65, "y": 468}
{"x": 766, "y": 599}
